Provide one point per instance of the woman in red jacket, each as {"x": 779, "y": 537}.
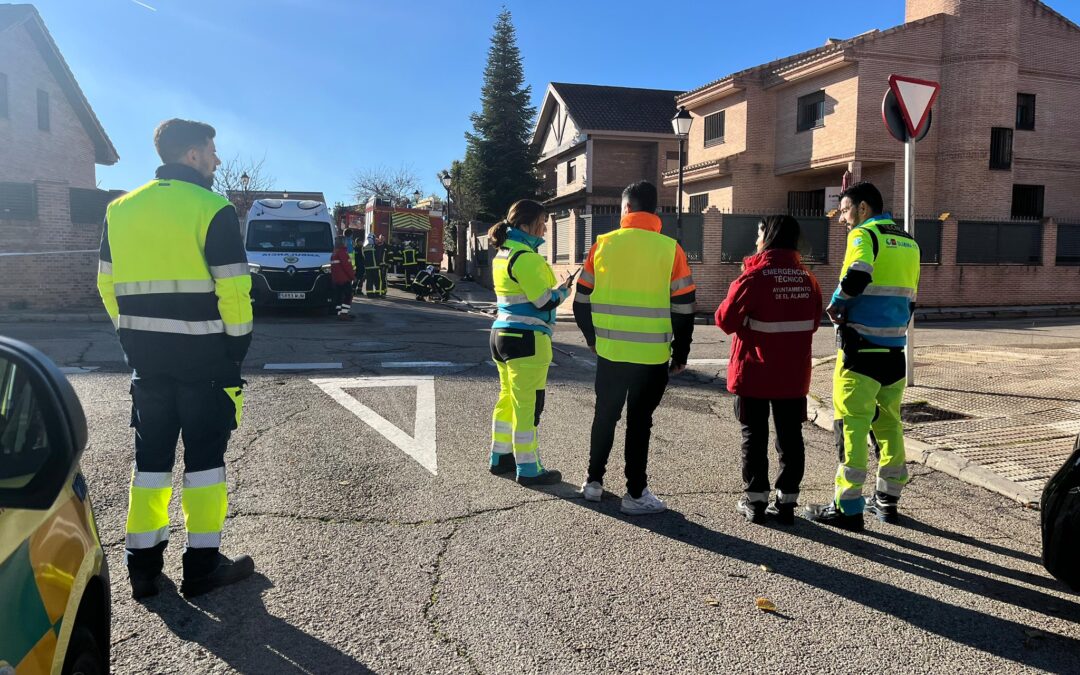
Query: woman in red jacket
{"x": 342, "y": 276}
{"x": 773, "y": 309}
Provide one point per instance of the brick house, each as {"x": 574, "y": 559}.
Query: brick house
{"x": 50, "y": 141}
{"x": 998, "y": 176}
{"x": 592, "y": 142}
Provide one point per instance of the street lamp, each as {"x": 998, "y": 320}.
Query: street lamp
{"x": 459, "y": 239}
{"x": 681, "y": 124}
{"x": 245, "y": 179}
{"x": 416, "y": 198}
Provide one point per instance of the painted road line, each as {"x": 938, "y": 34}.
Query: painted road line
{"x": 421, "y": 444}
{"x": 492, "y": 364}
{"x": 422, "y": 364}
{"x": 77, "y": 370}
{"x": 706, "y": 362}
{"x": 302, "y": 366}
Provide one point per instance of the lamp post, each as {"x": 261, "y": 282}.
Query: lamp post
{"x": 416, "y": 198}
{"x": 459, "y": 239}
{"x": 245, "y": 179}
{"x": 681, "y": 124}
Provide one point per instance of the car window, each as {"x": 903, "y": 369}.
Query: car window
{"x": 24, "y": 443}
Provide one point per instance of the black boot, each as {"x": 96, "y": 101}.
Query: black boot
{"x": 754, "y": 512}
{"x": 506, "y": 464}
{"x": 784, "y": 513}
{"x": 546, "y": 477}
{"x": 828, "y": 514}
{"x": 884, "y": 507}
{"x": 224, "y": 573}
{"x": 143, "y": 585}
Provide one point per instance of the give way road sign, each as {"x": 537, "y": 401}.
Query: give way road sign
{"x": 915, "y": 97}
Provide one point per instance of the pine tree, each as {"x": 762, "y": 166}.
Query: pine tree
{"x": 499, "y": 162}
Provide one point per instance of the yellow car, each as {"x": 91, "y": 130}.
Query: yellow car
{"x": 54, "y": 582}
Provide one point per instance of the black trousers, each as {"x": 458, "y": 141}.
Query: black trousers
{"x": 163, "y": 411}
{"x": 640, "y": 388}
{"x": 788, "y": 416}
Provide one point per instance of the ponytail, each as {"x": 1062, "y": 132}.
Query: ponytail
{"x": 497, "y": 233}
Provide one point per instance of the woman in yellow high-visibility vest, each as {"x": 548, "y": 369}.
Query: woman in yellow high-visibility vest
{"x": 521, "y": 341}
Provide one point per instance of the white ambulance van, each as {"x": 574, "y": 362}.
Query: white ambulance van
{"x": 288, "y": 244}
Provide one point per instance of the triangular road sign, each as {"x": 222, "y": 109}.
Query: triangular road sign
{"x": 420, "y": 445}
{"x": 916, "y": 97}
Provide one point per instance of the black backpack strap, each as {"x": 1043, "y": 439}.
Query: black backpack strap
{"x": 513, "y": 258}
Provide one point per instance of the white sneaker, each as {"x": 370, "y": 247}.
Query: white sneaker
{"x": 592, "y": 492}
{"x": 646, "y": 503}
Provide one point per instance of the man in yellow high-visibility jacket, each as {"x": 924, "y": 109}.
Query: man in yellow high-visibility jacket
{"x": 174, "y": 278}
{"x": 635, "y": 305}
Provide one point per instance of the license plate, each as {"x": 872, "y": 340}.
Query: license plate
{"x": 291, "y": 296}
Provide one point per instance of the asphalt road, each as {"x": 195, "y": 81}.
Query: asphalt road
{"x": 368, "y": 561}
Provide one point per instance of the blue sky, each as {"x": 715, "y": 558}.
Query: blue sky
{"x": 324, "y": 88}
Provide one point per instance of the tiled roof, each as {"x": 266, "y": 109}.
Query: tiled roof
{"x": 600, "y": 108}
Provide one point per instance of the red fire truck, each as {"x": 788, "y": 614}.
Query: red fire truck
{"x": 398, "y": 225}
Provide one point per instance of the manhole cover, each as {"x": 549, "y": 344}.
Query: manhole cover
{"x": 920, "y": 413}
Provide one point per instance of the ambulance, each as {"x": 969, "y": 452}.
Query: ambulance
{"x": 288, "y": 243}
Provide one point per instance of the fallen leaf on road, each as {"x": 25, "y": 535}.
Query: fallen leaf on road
{"x": 711, "y": 601}
{"x": 343, "y": 482}
{"x": 766, "y": 568}
{"x": 765, "y": 605}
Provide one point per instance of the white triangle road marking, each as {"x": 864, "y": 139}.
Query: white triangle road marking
{"x": 420, "y": 445}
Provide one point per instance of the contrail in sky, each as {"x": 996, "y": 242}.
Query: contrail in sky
{"x": 143, "y": 4}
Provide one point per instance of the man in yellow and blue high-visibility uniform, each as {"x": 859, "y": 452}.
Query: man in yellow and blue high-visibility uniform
{"x": 872, "y": 308}
{"x": 174, "y": 278}
{"x": 528, "y": 296}
{"x": 635, "y": 306}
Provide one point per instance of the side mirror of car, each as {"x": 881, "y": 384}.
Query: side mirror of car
{"x": 42, "y": 428}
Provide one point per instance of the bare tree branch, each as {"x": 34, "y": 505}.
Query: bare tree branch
{"x": 228, "y": 184}
{"x": 385, "y": 183}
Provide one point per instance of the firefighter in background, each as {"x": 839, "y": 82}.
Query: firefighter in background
{"x": 372, "y": 267}
{"x": 421, "y": 283}
{"x": 382, "y": 257}
{"x": 393, "y": 258}
{"x": 358, "y": 263}
{"x": 429, "y": 283}
{"x": 408, "y": 259}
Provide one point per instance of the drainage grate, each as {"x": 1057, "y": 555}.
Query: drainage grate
{"x": 921, "y": 413}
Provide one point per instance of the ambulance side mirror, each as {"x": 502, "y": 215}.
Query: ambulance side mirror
{"x": 42, "y": 428}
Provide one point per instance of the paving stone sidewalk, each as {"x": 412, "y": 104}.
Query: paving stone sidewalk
{"x": 1012, "y": 412}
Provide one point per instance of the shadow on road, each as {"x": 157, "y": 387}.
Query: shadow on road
{"x": 235, "y": 626}
{"x": 953, "y": 621}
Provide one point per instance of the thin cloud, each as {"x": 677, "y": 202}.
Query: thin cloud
{"x": 143, "y": 4}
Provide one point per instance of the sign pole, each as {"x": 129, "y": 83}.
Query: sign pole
{"x": 909, "y": 226}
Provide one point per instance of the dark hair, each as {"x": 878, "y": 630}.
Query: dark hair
{"x": 641, "y": 196}
{"x": 865, "y": 192}
{"x": 174, "y": 137}
{"x": 782, "y": 232}
{"x": 522, "y": 212}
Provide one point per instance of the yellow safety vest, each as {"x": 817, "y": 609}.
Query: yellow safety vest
{"x": 631, "y": 301}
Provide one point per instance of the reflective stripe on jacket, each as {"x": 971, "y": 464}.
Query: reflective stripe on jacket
{"x": 631, "y": 275}
{"x": 880, "y": 313}
{"x": 174, "y": 278}
{"x": 525, "y": 285}
{"x": 772, "y": 310}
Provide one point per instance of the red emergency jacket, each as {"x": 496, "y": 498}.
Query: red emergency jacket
{"x": 341, "y": 269}
{"x": 773, "y": 309}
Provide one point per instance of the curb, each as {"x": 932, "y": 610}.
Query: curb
{"x": 31, "y": 317}
{"x": 945, "y": 461}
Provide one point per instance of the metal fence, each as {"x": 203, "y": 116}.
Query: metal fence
{"x": 998, "y": 242}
